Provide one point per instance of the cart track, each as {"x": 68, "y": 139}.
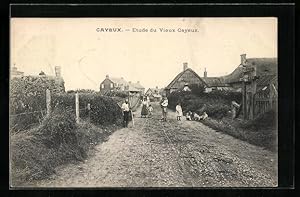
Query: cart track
{"x": 170, "y": 154}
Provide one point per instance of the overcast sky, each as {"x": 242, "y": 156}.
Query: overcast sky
{"x": 153, "y": 58}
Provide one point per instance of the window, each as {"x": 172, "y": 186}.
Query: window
{"x": 111, "y": 85}
{"x": 102, "y": 86}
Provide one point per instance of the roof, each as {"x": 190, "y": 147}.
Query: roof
{"x": 154, "y": 89}
{"x": 138, "y": 85}
{"x": 266, "y": 80}
{"x": 180, "y": 74}
{"x": 214, "y": 82}
{"x": 118, "y": 80}
{"x": 156, "y": 95}
{"x": 264, "y": 66}
{"x": 132, "y": 89}
{"x": 153, "y": 93}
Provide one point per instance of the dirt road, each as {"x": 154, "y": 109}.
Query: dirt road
{"x": 170, "y": 154}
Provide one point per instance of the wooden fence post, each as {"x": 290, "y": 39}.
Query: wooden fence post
{"x": 77, "y": 107}
{"x": 270, "y": 96}
{"x": 48, "y": 101}
{"x": 244, "y": 100}
{"x": 89, "y": 110}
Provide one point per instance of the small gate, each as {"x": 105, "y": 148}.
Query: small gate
{"x": 265, "y": 99}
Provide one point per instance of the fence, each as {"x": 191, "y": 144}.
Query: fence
{"x": 25, "y": 120}
{"x": 265, "y": 100}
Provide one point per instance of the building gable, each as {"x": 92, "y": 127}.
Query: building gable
{"x": 188, "y": 76}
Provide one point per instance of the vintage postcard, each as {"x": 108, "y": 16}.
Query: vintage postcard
{"x": 143, "y": 102}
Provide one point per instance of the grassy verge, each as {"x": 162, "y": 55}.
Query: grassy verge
{"x": 261, "y": 131}
{"x": 58, "y": 140}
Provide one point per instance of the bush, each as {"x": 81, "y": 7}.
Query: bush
{"x": 104, "y": 110}
{"x": 35, "y": 154}
{"x": 121, "y": 94}
{"x": 28, "y": 95}
{"x": 262, "y": 131}
{"x": 216, "y": 103}
{"x": 197, "y": 89}
{"x": 267, "y": 120}
{"x": 82, "y": 91}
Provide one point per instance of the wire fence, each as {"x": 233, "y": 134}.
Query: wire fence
{"x": 80, "y": 107}
{"x": 26, "y": 113}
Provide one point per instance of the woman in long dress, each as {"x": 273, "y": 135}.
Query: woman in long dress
{"x": 144, "y": 111}
{"x": 178, "y": 111}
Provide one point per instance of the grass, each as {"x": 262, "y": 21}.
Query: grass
{"x": 57, "y": 140}
{"x": 261, "y": 131}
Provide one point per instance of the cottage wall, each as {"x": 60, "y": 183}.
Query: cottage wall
{"x": 106, "y": 85}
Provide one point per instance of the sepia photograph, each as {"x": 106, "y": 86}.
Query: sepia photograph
{"x": 145, "y": 102}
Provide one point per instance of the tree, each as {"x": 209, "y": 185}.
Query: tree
{"x": 197, "y": 89}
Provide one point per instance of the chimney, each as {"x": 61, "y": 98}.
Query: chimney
{"x": 57, "y": 71}
{"x": 129, "y": 82}
{"x": 156, "y": 87}
{"x": 243, "y": 59}
{"x": 138, "y": 82}
{"x": 185, "y": 66}
{"x": 107, "y": 76}
{"x": 205, "y": 73}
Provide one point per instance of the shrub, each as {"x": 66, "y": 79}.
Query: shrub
{"x": 81, "y": 91}
{"x": 216, "y": 103}
{"x": 267, "y": 120}
{"x": 35, "y": 154}
{"x": 28, "y": 95}
{"x": 197, "y": 89}
{"x": 262, "y": 131}
{"x": 121, "y": 94}
{"x": 104, "y": 110}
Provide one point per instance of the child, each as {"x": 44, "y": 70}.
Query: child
{"x": 188, "y": 115}
{"x": 178, "y": 111}
{"x": 150, "y": 109}
{"x": 196, "y": 116}
{"x": 204, "y": 116}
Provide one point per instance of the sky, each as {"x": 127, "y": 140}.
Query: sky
{"x": 86, "y": 53}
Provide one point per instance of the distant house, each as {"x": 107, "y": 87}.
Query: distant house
{"x": 155, "y": 94}
{"x": 54, "y": 83}
{"x": 215, "y": 83}
{"x": 188, "y": 77}
{"x": 137, "y": 86}
{"x": 120, "y": 84}
{"x": 15, "y": 73}
{"x": 184, "y": 78}
{"x": 263, "y": 67}
{"x": 113, "y": 84}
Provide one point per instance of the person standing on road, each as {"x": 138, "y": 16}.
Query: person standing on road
{"x": 150, "y": 109}
{"x": 144, "y": 111}
{"x": 164, "y": 105}
{"x": 126, "y": 109}
{"x": 178, "y": 111}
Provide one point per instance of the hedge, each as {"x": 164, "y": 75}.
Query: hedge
{"x": 58, "y": 140}
{"x": 27, "y": 95}
{"x": 104, "y": 110}
{"x": 216, "y": 104}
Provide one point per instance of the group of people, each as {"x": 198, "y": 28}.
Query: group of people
{"x": 194, "y": 116}
{"x": 189, "y": 115}
{"x": 147, "y": 110}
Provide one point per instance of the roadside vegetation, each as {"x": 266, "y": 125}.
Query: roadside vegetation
{"x": 262, "y": 131}
{"x": 39, "y": 142}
